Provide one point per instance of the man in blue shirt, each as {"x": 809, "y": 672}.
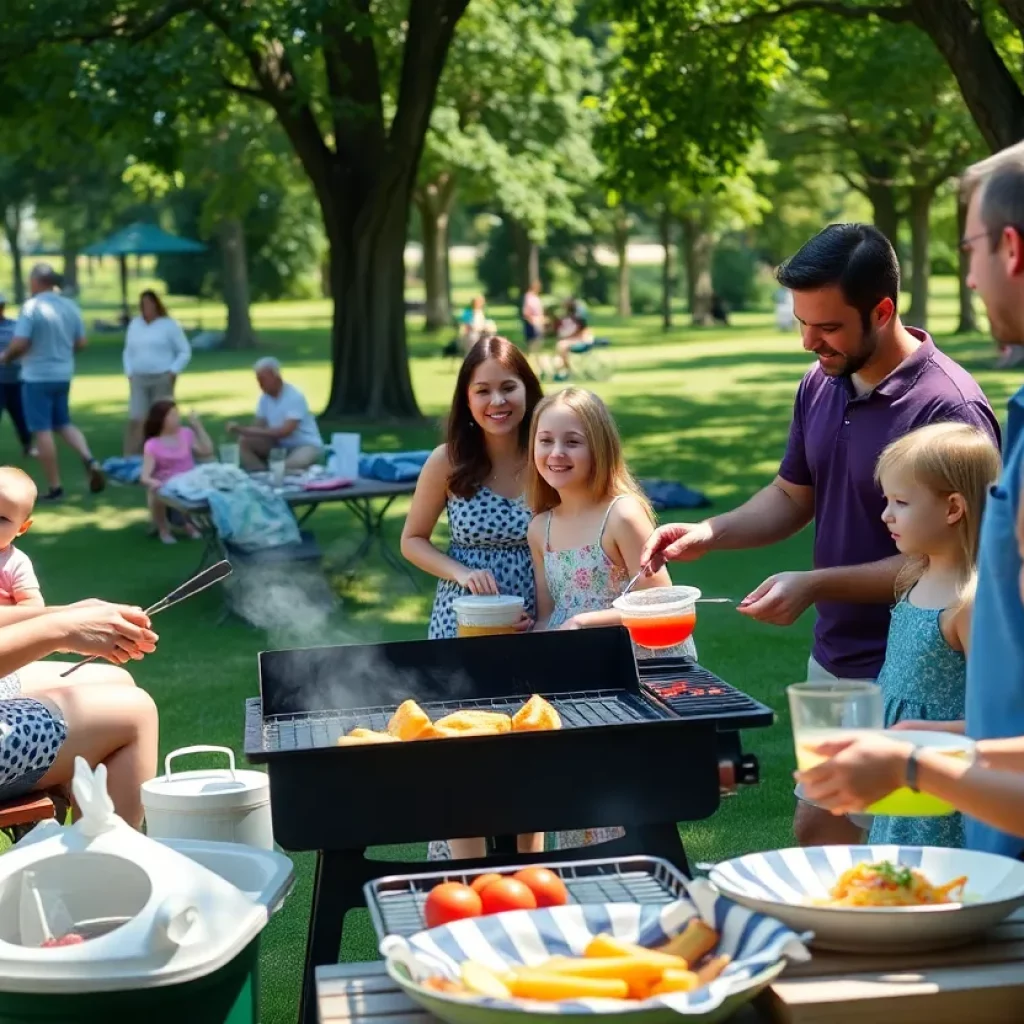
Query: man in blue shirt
{"x": 10, "y": 383}
{"x": 47, "y": 335}
{"x": 994, "y": 241}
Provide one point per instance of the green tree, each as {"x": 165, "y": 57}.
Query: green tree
{"x": 352, "y": 86}
{"x": 507, "y": 128}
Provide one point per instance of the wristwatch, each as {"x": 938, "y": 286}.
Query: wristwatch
{"x": 912, "y": 767}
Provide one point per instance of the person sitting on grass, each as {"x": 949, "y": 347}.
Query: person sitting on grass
{"x": 169, "y": 449}
{"x": 18, "y": 493}
{"x": 283, "y": 420}
{"x": 42, "y": 733}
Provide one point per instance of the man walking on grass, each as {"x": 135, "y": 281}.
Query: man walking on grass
{"x": 873, "y": 381}
{"x": 47, "y": 335}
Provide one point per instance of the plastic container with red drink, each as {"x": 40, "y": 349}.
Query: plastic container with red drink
{"x": 659, "y": 617}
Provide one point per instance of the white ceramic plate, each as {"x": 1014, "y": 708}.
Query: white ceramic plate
{"x": 783, "y": 883}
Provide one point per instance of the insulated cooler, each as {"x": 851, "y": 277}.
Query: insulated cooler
{"x": 100, "y": 923}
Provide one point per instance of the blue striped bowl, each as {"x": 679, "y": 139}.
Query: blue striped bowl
{"x": 758, "y": 944}
{"x": 784, "y": 883}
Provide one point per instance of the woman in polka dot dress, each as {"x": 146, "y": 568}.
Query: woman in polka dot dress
{"x": 477, "y": 477}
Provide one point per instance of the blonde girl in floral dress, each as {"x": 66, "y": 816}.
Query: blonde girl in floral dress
{"x": 591, "y": 521}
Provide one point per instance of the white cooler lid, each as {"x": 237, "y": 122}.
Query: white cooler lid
{"x": 212, "y": 789}
{"x": 184, "y": 920}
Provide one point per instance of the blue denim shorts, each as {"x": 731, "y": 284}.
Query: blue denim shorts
{"x": 45, "y": 404}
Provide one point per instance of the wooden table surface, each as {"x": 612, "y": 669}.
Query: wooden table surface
{"x": 978, "y": 984}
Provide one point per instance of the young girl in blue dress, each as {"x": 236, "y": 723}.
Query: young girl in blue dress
{"x": 935, "y": 481}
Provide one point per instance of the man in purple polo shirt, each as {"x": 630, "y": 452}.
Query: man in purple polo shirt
{"x": 874, "y": 380}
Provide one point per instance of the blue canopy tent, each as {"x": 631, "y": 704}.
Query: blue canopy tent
{"x": 140, "y": 239}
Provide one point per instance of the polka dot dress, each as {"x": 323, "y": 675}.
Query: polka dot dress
{"x": 31, "y": 735}
{"x": 488, "y": 531}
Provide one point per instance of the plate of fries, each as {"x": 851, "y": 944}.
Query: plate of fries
{"x": 700, "y": 956}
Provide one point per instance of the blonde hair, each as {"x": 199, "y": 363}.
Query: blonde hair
{"x": 609, "y": 476}
{"x": 20, "y": 487}
{"x": 946, "y": 458}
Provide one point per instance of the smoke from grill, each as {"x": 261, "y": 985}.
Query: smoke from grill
{"x": 298, "y": 611}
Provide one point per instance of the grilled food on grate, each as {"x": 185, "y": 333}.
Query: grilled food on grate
{"x": 536, "y": 715}
{"x": 411, "y": 722}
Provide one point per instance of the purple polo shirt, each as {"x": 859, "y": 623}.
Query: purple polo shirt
{"x": 834, "y": 443}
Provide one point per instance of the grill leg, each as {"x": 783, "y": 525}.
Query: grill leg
{"x": 337, "y": 888}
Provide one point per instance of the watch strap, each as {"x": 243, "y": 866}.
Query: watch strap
{"x": 912, "y": 768}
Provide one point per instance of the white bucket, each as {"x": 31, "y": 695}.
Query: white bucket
{"x": 344, "y": 457}
{"x": 486, "y": 614}
{"x": 223, "y": 804}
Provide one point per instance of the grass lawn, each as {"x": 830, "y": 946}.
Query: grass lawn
{"x": 710, "y": 408}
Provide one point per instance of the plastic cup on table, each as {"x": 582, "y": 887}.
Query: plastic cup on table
{"x": 276, "y": 465}
{"x": 230, "y": 454}
{"x": 487, "y": 614}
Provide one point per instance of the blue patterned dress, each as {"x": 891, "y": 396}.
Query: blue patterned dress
{"x": 488, "y": 531}
{"x": 922, "y": 678}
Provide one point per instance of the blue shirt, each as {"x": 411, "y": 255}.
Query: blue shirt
{"x": 10, "y": 373}
{"x": 52, "y": 325}
{"x": 995, "y": 664}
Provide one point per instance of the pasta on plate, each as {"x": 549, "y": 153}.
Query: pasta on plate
{"x": 890, "y": 885}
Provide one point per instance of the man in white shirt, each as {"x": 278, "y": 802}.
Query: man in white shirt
{"x": 283, "y": 420}
{"x": 47, "y": 335}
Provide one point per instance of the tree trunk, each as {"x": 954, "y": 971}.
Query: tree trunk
{"x": 325, "y": 277}
{"x": 70, "y": 266}
{"x": 665, "y": 226}
{"x": 434, "y": 202}
{"x": 12, "y": 229}
{"x": 699, "y": 247}
{"x": 231, "y": 235}
{"x": 968, "y": 318}
{"x": 989, "y": 90}
{"x": 527, "y": 256}
{"x": 884, "y": 212}
{"x": 920, "y": 208}
{"x": 621, "y": 228}
{"x": 370, "y": 364}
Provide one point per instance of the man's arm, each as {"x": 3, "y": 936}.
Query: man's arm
{"x": 274, "y": 433}
{"x": 773, "y": 514}
{"x": 17, "y": 348}
{"x": 870, "y": 583}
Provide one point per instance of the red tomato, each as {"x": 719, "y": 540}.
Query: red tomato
{"x": 451, "y": 901}
{"x": 506, "y": 894}
{"x": 547, "y": 888}
{"x": 482, "y": 881}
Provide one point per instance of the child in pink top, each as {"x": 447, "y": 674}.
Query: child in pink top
{"x": 18, "y": 583}
{"x": 170, "y": 449}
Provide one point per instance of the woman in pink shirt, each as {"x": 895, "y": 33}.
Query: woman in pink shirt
{"x": 170, "y": 449}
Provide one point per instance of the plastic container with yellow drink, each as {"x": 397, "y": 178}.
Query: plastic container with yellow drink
{"x": 827, "y": 711}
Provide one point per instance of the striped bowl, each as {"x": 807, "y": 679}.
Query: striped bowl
{"x": 784, "y": 883}
{"x": 758, "y": 944}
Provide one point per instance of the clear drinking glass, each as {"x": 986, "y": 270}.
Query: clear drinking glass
{"x": 230, "y": 454}
{"x": 826, "y": 710}
{"x": 276, "y": 465}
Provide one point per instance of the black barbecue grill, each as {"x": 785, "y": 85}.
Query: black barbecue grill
{"x": 626, "y": 756}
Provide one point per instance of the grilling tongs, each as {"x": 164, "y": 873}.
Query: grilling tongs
{"x": 200, "y": 582}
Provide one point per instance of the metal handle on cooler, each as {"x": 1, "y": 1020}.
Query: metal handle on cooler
{"x": 200, "y": 748}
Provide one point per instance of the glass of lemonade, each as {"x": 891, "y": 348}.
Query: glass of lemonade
{"x": 828, "y": 710}
{"x": 487, "y": 614}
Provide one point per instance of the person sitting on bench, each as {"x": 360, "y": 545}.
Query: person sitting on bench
{"x": 47, "y": 724}
{"x": 283, "y": 420}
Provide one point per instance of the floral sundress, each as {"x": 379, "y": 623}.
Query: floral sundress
{"x": 585, "y": 579}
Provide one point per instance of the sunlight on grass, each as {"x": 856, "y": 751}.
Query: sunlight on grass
{"x": 708, "y": 407}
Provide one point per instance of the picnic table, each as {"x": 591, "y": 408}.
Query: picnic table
{"x": 982, "y": 983}
{"x": 367, "y": 500}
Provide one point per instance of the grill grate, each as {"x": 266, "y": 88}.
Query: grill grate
{"x": 311, "y": 730}
{"x": 693, "y": 692}
{"x": 396, "y": 903}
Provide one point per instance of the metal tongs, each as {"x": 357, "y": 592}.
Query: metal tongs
{"x": 198, "y": 583}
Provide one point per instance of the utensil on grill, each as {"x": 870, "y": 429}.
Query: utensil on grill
{"x": 198, "y": 583}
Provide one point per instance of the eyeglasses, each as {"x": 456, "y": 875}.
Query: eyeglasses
{"x": 992, "y": 236}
